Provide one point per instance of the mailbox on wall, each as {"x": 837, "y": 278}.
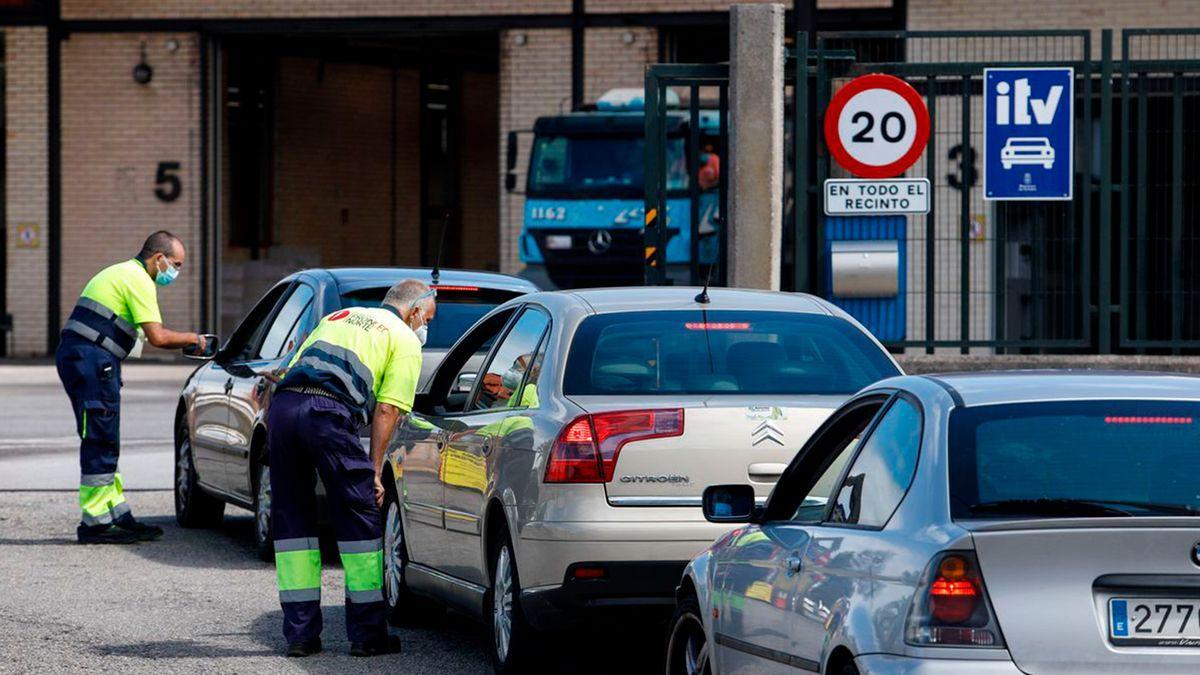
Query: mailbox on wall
{"x": 866, "y": 271}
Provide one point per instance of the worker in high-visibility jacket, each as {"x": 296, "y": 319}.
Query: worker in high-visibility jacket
{"x": 358, "y": 366}
{"x": 117, "y": 310}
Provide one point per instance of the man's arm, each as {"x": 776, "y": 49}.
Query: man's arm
{"x": 164, "y": 338}
{"x": 386, "y": 418}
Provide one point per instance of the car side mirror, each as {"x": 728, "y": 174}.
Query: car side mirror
{"x": 729, "y": 504}
{"x": 212, "y": 344}
{"x": 464, "y": 383}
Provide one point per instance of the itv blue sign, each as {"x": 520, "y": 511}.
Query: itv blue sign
{"x": 1028, "y": 139}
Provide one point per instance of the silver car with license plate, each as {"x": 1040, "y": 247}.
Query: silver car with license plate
{"x": 220, "y": 420}
{"x": 983, "y": 523}
{"x": 564, "y": 475}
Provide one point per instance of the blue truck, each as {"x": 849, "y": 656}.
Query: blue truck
{"x": 585, "y": 191}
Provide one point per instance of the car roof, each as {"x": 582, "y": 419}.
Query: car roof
{"x": 1016, "y": 386}
{"x": 350, "y": 279}
{"x": 658, "y": 298}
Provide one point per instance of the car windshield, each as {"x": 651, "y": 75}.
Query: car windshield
{"x": 721, "y": 352}
{"x": 1075, "y": 459}
{"x": 583, "y": 165}
{"x": 458, "y": 308}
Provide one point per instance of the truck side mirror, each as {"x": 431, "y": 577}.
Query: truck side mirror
{"x": 510, "y": 153}
{"x": 510, "y": 181}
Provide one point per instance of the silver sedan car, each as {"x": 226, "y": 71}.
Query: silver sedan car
{"x": 985, "y": 523}
{"x": 564, "y": 475}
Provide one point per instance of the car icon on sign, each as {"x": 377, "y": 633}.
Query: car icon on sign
{"x": 1027, "y": 151}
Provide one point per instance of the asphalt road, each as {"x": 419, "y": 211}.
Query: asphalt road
{"x": 198, "y": 600}
{"x": 39, "y": 448}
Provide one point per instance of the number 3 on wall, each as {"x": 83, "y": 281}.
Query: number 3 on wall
{"x": 166, "y": 182}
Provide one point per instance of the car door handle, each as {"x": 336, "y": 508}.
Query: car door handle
{"x": 260, "y": 386}
{"x": 440, "y": 441}
{"x": 488, "y": 445}
{"x": 793, "y": 563}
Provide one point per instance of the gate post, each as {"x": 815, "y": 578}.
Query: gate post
{"x": 1104, "y": 292}
{"x": 755, "y": 145}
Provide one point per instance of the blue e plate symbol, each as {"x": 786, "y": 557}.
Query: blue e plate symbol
{"x": 1120, "y": 619}
{"x": 1028, "y": 134}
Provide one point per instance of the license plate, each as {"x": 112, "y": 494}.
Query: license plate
{"x": 1154, "y": 622}
{"x": 558, "y": 242}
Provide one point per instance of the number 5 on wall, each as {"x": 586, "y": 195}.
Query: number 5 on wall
{"x": 166, "y": 182}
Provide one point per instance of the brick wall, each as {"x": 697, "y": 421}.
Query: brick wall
{"x": 535, "y": 79}
{"x": 129, "y": 9}
{"x": 1031, "y": 14}
{"x": 609, "y": 61}
{"x": 115, "y": 132}
{"x": 25, "y": 198}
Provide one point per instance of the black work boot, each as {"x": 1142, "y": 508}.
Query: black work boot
{"x": 143, "y": 531}
{"x": 299, "y": 650}
{"x": 105, "y": 534}
{"x": 387, "y": 645}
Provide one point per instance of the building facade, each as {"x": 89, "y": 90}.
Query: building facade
{"x": 273, "y": 135}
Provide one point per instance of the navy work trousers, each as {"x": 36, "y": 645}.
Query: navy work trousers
{"x": 310, "y": 435}
{"x": 91, "y": 377}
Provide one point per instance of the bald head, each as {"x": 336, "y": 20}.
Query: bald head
{"x": 162, "y": 242}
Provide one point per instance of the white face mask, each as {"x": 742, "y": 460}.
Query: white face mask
{"x": 511, "y": 379}
{"x": 422, "y": 334}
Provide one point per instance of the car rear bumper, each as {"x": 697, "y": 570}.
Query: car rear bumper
{"x": 886, "y": 664}
{"x": 626, "y": 585}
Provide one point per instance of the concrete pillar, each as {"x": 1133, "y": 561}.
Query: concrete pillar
{"x": 755, "y": 145}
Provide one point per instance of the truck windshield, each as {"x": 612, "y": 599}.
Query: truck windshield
{"x": 1079, "y": 459}
{"x": 592, "y": 165}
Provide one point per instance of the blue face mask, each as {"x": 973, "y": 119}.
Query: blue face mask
{"x": 165, "y": 277}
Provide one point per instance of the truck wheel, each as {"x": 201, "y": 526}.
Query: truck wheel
{"x": 193, "y": 506}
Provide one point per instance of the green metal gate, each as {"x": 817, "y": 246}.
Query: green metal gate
{"x": 1116, "y": 269}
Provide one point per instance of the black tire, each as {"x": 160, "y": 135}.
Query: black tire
{"x": 264, "y": 544}
{"x": 402, "y": 606}
{"x": 193, "y": 506}
{"x": 511, "y": 655}
{"x": 688, "y": 651}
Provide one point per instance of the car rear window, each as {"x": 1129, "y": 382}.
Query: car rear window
{"x": 721, "y": 352}
{"x": 1075, "y": 459}
{"x": 458, "y": 308}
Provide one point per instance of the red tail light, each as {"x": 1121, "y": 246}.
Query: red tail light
{"x": 586, "y": 451}
{"x": 951, "y": 607}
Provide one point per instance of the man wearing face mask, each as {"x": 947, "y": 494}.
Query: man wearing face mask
{"x": 116, "y": 311}
{"x": 358, "y": 366}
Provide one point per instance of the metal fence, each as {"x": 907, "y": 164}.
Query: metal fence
{"x": 1112, "y": 270}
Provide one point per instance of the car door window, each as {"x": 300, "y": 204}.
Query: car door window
{"x": 883, "y": 469}
{"x": 243, "y": 346}
{"x": 812, "y": 507}
{"x": 279, "y": 337}
{"x": 530, "y": 397}
{"x": 511, "y": 360}
{"x": 455, "y": 378}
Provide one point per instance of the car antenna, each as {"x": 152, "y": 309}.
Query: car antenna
{"x": 702, "y": 298}
{"x": 436, "y": 274}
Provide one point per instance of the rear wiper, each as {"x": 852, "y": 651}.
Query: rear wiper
{"x": 1048, "y": 507}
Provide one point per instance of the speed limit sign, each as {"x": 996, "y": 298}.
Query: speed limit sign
{"x": 876, "y": 126}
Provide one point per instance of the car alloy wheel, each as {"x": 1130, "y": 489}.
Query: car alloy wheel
{"x": 687, "y": 650}
{"x": 502, "y": 603}
{"x": 183, "y": 475}
{"x": 393, "y": 560}
{"x": 262, "y": 508}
